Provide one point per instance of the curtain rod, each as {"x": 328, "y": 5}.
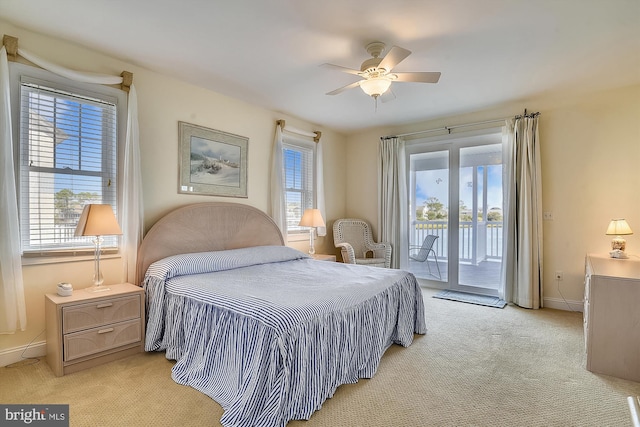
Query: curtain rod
{"x": 13, "y": 51}
{"x": 450, "y": 128}
{"x": 315, "y": 134}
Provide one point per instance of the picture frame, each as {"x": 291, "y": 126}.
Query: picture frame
{"x": 212, "y": 162}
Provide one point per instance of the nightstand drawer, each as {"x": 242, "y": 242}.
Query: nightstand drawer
{"x": 98, "y": 313}
{"x": 95, "y": 340}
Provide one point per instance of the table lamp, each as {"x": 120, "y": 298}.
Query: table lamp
{"x": 618, "y": 228}
{"x": 312, "y": 218}
{"x": 97, "y": 221}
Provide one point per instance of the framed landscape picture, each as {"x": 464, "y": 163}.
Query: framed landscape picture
{"x": 212, "y": 162}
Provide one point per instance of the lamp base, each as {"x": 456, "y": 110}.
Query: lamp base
{"x": 312, "y": 249}
{"x": 617, "y": 253}
{"x": 98, "y": 288}
{"x": 618, "y": 243}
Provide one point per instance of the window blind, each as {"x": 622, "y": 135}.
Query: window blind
{"x": 68, "y": 158}
{"x": 299, "y": 183}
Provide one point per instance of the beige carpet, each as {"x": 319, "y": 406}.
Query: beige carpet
{"x": 477, "y": 366}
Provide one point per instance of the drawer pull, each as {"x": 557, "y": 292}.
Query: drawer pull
{"x": 104, "y": 331}
{"x": 105, "y": 305}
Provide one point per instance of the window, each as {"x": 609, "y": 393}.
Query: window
{"x": 67, "y": 138}
{"x": 299, "y": 181}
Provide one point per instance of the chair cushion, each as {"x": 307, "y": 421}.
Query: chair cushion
{"x": 373, "y": 262}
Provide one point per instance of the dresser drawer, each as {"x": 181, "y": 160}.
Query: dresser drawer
{"x": 91, "y": 315}
{"x": 95, "y": 340}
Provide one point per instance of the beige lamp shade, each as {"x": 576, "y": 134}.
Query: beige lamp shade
{"x": 97, "y": 220}
{"x": 618, "y": 227}
{"x": 312, "y": 218}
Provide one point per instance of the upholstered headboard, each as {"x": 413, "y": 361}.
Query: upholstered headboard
{"x": 206, "y": 227}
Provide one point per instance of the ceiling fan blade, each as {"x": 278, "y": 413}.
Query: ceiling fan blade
{"x": 418, "y": 77}
{"x": 393, "y": 58}
{"x": 342, "y": 89}
{"x": 340, "y": 68}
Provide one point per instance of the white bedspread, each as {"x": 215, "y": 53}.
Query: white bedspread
{"x": 270, "y": 333}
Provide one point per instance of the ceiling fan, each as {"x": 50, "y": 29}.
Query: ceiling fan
{"x": 376, "y": 72}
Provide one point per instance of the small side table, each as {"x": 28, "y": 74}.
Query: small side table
{"x": 88, "y": 329}
{"x": 324, "y": 257}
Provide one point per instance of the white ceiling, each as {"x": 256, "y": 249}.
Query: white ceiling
{"x": 268, "y": 52}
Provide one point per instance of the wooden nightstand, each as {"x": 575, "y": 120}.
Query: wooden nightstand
{"x": 324, "y": 257}
{"x": 87, "y": 329}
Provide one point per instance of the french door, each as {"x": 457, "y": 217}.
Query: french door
{"x": 455, "y": 197}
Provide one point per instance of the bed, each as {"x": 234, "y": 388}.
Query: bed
{"x": 263, "y": 329}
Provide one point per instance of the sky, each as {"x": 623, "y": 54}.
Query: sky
{"x": 82, "y": 126}
{"x": 435, "y": 183}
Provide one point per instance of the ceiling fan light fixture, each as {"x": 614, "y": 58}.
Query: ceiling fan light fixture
{"x": 375, "y": 86}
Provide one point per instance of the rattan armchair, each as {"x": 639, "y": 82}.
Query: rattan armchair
{"x": 353, "y": 237}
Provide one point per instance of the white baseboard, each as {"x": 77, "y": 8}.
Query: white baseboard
{"x": 13, "y": 355}
{"x": 561, "y": 304}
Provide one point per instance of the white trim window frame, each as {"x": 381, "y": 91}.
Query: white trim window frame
{"x": 300, "y": 174}
{"x": 66, "y": 138}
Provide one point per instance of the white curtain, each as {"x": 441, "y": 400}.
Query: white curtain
{"x": 322, "y": 231}
{"x": 522, "y": 250}
{"x": 77, "y": 76}
{"x": 392, "y": 200}
{"x": 13, "y": 313}
{"x": 132, "y": 202}
{"x": 278, "y": 212}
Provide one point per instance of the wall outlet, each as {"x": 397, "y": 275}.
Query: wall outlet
{"x": 559, "y": 275}
{"x": 547, "y": 216}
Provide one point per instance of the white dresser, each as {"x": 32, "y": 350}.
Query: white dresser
{"x": 612, "y": 315}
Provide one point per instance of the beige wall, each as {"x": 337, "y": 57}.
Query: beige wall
{"x": 590, "y": 154}
{"x": 162, "y": 103}
{"x": 590, "y": 148}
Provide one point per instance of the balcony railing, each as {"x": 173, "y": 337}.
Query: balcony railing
{"x": 476, "y": 244}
